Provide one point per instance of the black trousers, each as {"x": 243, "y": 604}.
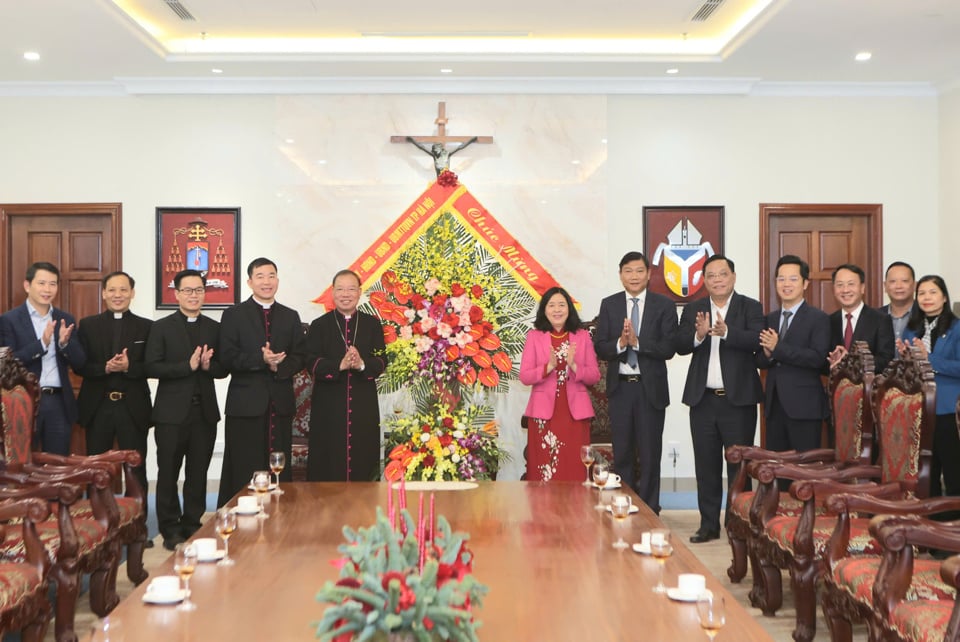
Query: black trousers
{"x": 113, "y": 421}
{"x": 945, "y": 462}
{"x": 637, "y": 429}
{"x": 191, "y": 441}
{"x": 784, "y": 433}
{"x": 715, "y": 425}
{"x": 53, "y": 429}
{"x": 246, "y": 449}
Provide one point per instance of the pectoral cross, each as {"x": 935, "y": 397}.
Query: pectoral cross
{"x": 441, "y": 156}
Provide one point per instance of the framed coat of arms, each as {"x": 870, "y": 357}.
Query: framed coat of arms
{"x": 677, "y": 242}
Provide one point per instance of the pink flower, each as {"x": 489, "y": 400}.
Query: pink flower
{"x": 423, "y": 343}
{"x": 431, "y": 286}
{"x": 406, "y": 333}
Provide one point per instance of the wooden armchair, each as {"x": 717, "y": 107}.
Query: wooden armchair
{"x": 915, "y": 600}
{"x": 851, "y": 384}
{"x": 903, "y": 401}
{"x": 23, "y": 584}
{"x": 84, "y": 535}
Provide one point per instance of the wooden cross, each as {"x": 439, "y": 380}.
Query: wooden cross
{"x": 441, "y": 137}
{"x": 437, "y": 144}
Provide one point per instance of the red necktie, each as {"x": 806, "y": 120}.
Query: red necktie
{"x": 848, "y": 332}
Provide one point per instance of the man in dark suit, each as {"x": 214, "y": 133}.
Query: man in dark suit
{"x": 723, "y": 386}
{"x": 41, "y": 337}
{"x": 855, "y": 321}
{"x": 114, "y": 398}
{"x": 636, "y": 340}
{"x": 262, "y": 346}
{"x": 181, "y": 354}
{"x": 900, "y": 284}
{"x": 795, "y": 343}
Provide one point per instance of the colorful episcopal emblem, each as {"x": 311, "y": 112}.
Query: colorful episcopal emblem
{"x": 206, "y": 242}
{"x": 683, "y": 256}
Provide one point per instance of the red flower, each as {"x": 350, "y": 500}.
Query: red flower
{"x": 377, "y": 298}
{"x": 456, "y": 289}
{"x": 448, "y": 422}
{"x": 468, "y": 378}
{"x": 445, "y": 440}
{"x": 429, "y": 461}
{"x": 403, "y": 293}
{"x": 416, "y": 300}
{"x": 407, "y": 597}
{"x": 451, "y": 319}
{"x": 389, "y": 280}
{"x": 452, "y": 353}
{"x": 389, "y": 334}
{"x": 476, "y": 314}
{"x": 502, "y": 362}
{"x": 447, "y": 179}
{"x": 476, "y": 291}
{"x": 439, "y": 300}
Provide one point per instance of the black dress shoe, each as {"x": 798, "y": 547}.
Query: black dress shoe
{"x": 148, "y": 543}
{"x": 170, "y": 543}
{"x": 703, "y": 535}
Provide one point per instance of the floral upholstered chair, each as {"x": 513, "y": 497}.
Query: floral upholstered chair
{"x": 83, "y": 535}
{"x": 23, "y": 585}
{"x": 913, "y": 598}
{"x": 850, "y": 384}
{"x": 811, "y": 546}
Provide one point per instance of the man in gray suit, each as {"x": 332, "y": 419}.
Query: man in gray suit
{"x": 723, "y": 388}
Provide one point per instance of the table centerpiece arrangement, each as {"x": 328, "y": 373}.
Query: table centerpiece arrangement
{"x": 402, "y": 579}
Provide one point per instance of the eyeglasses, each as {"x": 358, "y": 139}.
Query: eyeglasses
{"x": 716, "y": 275}
{"x": 190, "y": 291}
{"x": 788, "y": 279}
{"x": 350, "y": 290}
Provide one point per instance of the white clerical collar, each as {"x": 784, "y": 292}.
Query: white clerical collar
{"x": 118, "y": 315}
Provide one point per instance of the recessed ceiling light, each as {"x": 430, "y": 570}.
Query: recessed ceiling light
{"x": 575, "y": 162}
{"x": 446, "y": 70}
{"x": 322, "y": 161}
{"x": 289, "y": 141}
{"x": 216, "y": 70}
{"x": 32, "y": 56}
{"x": 603, "y": 141}
{"x": 863, "y": 56}
{"x": 673, "y": 70}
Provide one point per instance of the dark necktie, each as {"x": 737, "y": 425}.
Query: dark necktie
{"x": 635, "y": 321}
{"x": 848, "y": 332}
{"x": 785, "y": 324}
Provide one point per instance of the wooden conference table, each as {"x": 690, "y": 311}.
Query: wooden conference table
{"x": 542, "y": 550}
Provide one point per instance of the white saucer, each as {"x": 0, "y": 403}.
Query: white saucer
{"x": 272, "y": 486}
{"x": 674, "y": 593}
{"x": 215, "y": 557}
{"x": 236, "y": 509}
{"x": 633, "y": 509}
{"x": 607, "y": 486}
{"x": 173, "y": 598}
{"x": 640, "y": 548}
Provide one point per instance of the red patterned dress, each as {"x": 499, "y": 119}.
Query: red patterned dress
{"x": 553, "y": 445}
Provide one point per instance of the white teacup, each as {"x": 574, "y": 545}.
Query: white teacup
{"x": 613, "y": 480}
{"x": 691, "y": 583}
{"x": 206, "y": 547}
{"x": 164, "y": 586}
{"x": 645, "y": 539}
{"x": 247, "y": 504}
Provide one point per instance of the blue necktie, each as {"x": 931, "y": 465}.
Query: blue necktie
{"x": 785, "y": 325}
{"x": 635, "y": 321}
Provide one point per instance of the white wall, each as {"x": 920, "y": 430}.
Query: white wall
{"x": 577, "y": 219}
{"x": 950, "y": 191}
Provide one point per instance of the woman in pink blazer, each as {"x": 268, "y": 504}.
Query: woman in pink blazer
{"x": 558, "y": 363}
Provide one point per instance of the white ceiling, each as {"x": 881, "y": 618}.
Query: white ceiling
{"x": 137, "y": 46}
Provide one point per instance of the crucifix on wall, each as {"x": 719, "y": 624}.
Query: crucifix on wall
{"x": 437, "y": 144}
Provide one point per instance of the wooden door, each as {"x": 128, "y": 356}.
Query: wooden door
{"x": 83, "y": 240}
{"x": 825, "y": 236}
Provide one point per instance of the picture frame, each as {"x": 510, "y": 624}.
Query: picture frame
{"x": 677, "y": 240}
{"x": 202, "y": 238}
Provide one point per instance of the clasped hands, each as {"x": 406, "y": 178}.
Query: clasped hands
{"x": 63, "y": 336}
{"x": 118, "y": 363}
{"x": 703, "y": 328}
{"x": 768, "y": 340}
{"x": 200, "y": 358}
{"x": 571, "y": 353}
{"x": 351, "y": 360}
{"x": 271, "y": 358}
{"x": 903, "y": 347}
